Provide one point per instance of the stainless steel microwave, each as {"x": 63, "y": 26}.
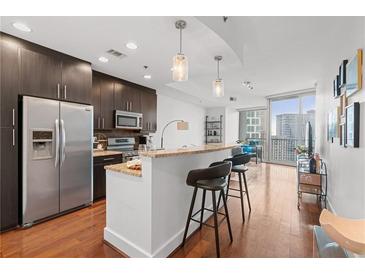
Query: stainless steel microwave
{"x": 128, "y": 120}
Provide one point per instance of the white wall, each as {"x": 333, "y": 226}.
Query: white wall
{"x": 231, "y": 126}
{"x": 346, "y": 189}
{"x": 230, "y": 122}
{"x": 170, "y": 109}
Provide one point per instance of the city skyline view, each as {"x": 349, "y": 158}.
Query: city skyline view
{"x": 290, "y": 106}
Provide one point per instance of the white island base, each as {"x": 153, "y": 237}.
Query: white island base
{"x": 146, "y": 213}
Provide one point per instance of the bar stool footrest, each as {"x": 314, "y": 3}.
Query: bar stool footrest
{"x": 207, "y": 209}
{"x": 208, "y": 225}
{"x": 230, "y": 195}
{"x": 235, "y": 189}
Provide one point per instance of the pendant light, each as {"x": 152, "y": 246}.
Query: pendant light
{"x": 180, "y": 61}
{"x": 218, "y": 84}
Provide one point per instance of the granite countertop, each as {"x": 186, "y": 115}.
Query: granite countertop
{"x": 122, "y": 168}
{"x": 186, "y": 151}
{"x": 99, "y": 153}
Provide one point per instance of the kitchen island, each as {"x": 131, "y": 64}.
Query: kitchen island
{"x": 146, "y": 210}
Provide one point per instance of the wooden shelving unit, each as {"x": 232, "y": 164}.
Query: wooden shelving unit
{"x": 213, "y": 130}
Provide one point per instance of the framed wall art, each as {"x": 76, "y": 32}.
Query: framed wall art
{"x": 352, "y": 137}
{"x": 336, "y": 87}
{"x": 342, "y": 74}
{"x": 343, "y": 105}
{"x": 342, "y": 134}
{"x": 354, "y": 74}
{"x": 332, "y": 125}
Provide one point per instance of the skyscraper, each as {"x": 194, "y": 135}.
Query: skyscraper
{"x": 290, "y": 132}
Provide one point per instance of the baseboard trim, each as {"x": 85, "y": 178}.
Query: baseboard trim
{"x": 131, "y": 250}
{"x": 175, "y": 241}
{"x": 122, "y": 244}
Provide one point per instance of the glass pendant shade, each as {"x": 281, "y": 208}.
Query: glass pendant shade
{"x": 180, "y": 69}
{"x": 218, "y": 88}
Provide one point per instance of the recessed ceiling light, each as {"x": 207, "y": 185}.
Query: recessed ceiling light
{"x": 22, "y": 27}
{"x": 147, "y": 76}
{"x": 103, "y": 59}
{"x": 131, "y": 45}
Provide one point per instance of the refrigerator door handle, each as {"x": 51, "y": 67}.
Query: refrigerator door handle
{"x": 57, "y": 146}
{"x": 63, "y": 141}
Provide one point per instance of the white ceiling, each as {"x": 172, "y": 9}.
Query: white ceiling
{"x": 277, "y": 54}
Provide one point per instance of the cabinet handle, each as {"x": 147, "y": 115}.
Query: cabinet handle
{"x": 58, "y": 91}
{"x": 103, "y": 123}
{"x": 13, "y": 117}
{"x": 130, "y": 106}
{"x": 65, "y": 92}
{"x": 13, "y": 138}
{"x": 108, "y": 159}
{"x": 149, "y": 126}
{"x": 99, "y": 122}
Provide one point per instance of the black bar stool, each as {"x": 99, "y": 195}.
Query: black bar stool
{"x": 213, "y": 178}
{"x": 238, "y": 166}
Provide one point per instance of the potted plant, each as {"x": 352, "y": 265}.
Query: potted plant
{"x": 301, "y": 149}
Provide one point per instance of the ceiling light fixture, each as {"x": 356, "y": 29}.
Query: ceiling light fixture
{"x": 22, "y": 27}
{"x": 146, "y": 76}
{"x": 103, "y": 59}
{"x": 131, "y": 45}
{"x": 218, "y": 84}
{"x": 180, "y": 69}
{"x": 248, "y": 84}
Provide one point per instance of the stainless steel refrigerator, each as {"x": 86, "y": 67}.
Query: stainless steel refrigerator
{"x": 56, "y": 157}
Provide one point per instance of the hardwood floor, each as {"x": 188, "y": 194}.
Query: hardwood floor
{"x": 275, "y": 227}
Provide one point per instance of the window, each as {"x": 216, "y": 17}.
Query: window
{"x": 288, "y": 125}
{"x": 252, "y": 128}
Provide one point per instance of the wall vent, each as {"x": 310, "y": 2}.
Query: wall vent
{"x": 233, "y": 99}
{"x": 116, "y": 53}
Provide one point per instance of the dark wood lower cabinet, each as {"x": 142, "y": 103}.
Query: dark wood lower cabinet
{"x": 9, "y": 179}
{"x": 99, "y": 186}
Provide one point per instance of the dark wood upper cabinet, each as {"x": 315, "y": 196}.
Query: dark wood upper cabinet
{"x": 149, "y": 111}
{"x": 55, "y": 76}
{"x": 40, "y": 75}
{"x": 9, "y": 75}
{"x": 47, "y": 73}
{"x": 107, "y": 102}
{"x": 76, "y": 80}
{"x": 95, "y": 100}
{"x": 103, "y": 100}
{"x": 127, "y": 96}
{"x": 133, "y": 96}
{"x": 120, "y": 96}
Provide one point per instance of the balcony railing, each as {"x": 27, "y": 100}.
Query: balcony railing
{"x": 281, "y": 149}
